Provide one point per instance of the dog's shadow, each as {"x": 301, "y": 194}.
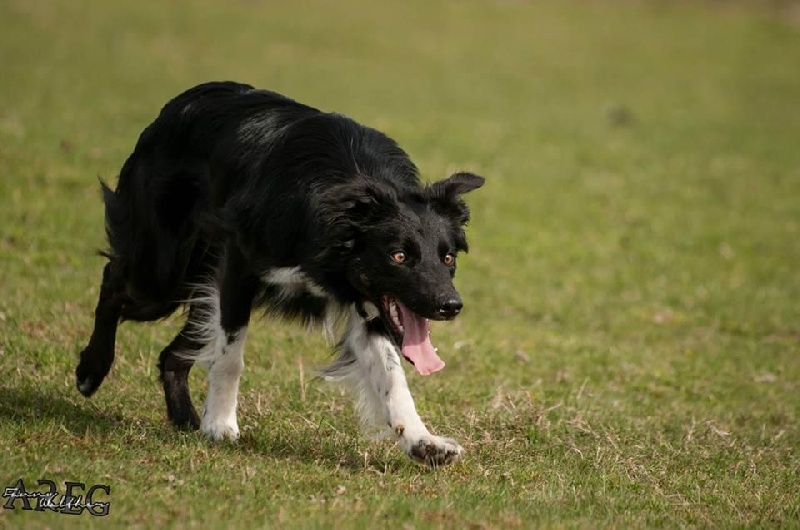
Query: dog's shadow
{"x": 77, "y": 416}
{"x": 33, "y": 405}
{"x": 351, "y": 452}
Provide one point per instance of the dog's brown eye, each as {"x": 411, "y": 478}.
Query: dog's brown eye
{"x": 399, "y": 256}
{"x": 449, "y": 260}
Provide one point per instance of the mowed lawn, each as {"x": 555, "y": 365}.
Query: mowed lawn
{"x": 629, "y": 354}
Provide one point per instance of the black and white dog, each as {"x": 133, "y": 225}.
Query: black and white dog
{"x": 236, "y": 198}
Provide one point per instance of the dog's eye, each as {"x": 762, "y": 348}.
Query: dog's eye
{"x": 399, "y": 256}
{"x": 449, "y": 260}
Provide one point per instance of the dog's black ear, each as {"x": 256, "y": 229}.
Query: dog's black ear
{"x": 445, "y": 195}
{"x": 365, "y": 202}
{"x": 455, "y": 185}
{"x": 348, "y": 209}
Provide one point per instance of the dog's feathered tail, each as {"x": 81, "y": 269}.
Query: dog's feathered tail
{"x": 154, "y": 253}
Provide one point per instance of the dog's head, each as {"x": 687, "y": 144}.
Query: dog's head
{"x": 401, "y": 250}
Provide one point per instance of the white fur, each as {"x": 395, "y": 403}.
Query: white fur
{"x": 205, "y": 326}
{"x": 219, "y": 412}
{"x": 334, "y": 315}
{"x": 383, "y": 399}
{"x": 369, "y": 365}
{"x": 225, "y": 362}
{"x": 371, "y": 310}
{"x": 292, "y": 281}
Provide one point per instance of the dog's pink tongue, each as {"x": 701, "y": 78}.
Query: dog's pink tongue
{"x": 417, "y": 346}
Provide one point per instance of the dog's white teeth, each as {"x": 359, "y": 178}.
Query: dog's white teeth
{"x": 395, "y": 316}
{"x": 370, "y": 310}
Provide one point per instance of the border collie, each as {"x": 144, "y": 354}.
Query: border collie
{"x": 236, "y": 198}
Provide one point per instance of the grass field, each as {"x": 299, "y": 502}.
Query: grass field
{"x": 629, "y": 355}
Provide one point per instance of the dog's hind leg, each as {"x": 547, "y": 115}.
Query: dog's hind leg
{"x": 369, "y": 363}
{"x": 97, "y": 357}
{"x": 174, "y": 365}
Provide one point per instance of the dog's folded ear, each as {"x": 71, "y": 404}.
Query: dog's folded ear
{"x": 362, "y": 201}
{"x": 455, "y": 185}
{"x": 445, "y": 195}
{"x": 346, "y": 209}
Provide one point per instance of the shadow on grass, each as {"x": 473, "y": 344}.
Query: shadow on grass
{"x": 78, "y": 415}
{"x": 352, "y": 454}
{"x": 30, "y": 405}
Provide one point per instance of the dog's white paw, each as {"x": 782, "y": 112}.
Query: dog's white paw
{"x": 430, "y": 450}
{"x": 219, "y": 430}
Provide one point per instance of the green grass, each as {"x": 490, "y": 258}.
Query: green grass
{"x": 629, "y": 355}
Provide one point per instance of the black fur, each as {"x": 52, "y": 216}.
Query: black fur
{"x": 229, "y": 183}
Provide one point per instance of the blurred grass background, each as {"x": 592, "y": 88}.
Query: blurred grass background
{"x": 628, "y": 355}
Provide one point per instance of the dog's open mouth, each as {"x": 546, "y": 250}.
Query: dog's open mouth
{"x": 413, "y": 334}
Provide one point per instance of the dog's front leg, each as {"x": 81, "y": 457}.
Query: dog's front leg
{"x": 227, "y": 316}
{"x": 370, "y": 363}
{"x": 224, "y": 370}
{"x": 388, "y": 381}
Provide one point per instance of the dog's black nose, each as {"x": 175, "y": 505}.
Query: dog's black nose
{"x": 450, "y": 307}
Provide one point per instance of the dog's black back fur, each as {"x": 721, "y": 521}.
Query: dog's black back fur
{"x": 230, "y": 183}
{"x": 207, "y": 166}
